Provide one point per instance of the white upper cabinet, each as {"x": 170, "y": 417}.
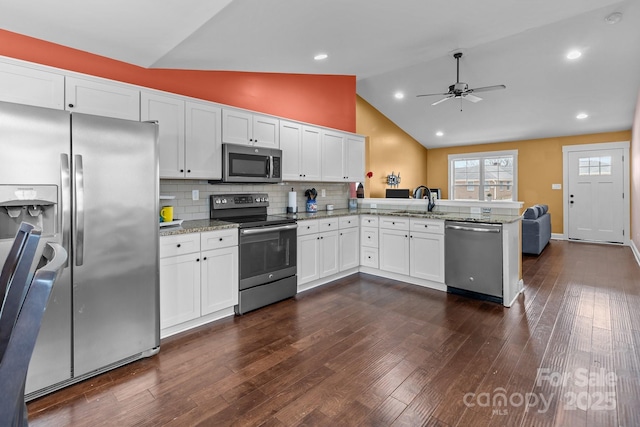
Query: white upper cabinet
{"x": 332, "y": 155}
{"x": 190, "y": 134}
{"x": 354, "y": 158}
{"x": 244, "y": 128}
{"x": 300, "y": 146}
{"x": 24, "y": 85}
{"x": 169, "y": 112}
{"x": 102, "y": 99}
{"x": 342, "y": 157}
{"x": 203, "y": 139}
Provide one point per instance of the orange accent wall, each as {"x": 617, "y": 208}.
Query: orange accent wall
{"x": 389, "y": 149}
{"x": 539, "y": 166}
{"x": 325, "y": 100}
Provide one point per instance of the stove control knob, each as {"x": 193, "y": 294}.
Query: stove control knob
{"x": 224, "y": 200}
{"x": 265, "y": 199}
{"x": 217, "y": 201}
{"x": 257, "y": 199}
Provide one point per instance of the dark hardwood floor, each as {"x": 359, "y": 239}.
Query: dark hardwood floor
{"x": 370, "y": 351}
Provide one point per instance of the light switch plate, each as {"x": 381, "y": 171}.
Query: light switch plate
{"x": 323, "y": 193}
{"x": 195, "y": 194}
{"x": 556, "y": 186}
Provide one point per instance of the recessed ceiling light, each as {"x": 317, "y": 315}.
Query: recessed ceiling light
{"x": 399, "y": 95}
{"x": 439, "y": 133}
{"x": 320, "y": 56}
{"x": 582, "y": 116}
{"x": 574, "y": 54}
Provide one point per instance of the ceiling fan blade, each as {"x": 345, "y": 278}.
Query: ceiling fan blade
{"x": 433, "y": 94}
{"x": 442, "y": 100}
{"x": 471, "y": 98}
{"x": 486, "y": 88}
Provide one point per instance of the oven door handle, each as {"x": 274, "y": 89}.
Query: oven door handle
{"x": 259, "y": 230}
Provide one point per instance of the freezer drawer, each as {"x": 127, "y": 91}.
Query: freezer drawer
{"x": 473, "y": 259}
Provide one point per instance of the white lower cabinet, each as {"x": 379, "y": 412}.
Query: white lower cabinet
{"x": 198, "y": 275}
{"x": 427, "y": 250}
{"x": 394, "y": 251}
{"x": 329, "y": 253}
{"x": 349, "y": 242}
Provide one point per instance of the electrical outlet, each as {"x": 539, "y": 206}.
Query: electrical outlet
{"x": 556, "y": 186}
{"x": 195, "y": 194}
{"x": 323, "y": 193}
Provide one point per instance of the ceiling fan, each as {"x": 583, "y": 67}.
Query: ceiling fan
{"x": 460, "y": 89}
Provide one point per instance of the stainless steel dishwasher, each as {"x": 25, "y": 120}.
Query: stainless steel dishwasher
{"x": 473, "y": 259}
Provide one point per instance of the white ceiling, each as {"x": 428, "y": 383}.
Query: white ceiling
{"x": 404, "y": 45}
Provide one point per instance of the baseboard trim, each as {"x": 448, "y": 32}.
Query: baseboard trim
{"x": 558, "y": 236}
{"x": 635, "y": 251}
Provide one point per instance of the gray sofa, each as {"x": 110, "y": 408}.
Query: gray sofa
{"x": 536, "y": 229}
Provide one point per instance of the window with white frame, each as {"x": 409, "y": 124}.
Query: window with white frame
{"x": 483, "y": 176}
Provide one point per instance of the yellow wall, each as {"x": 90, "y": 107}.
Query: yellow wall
{"x": 539, "y": 166}
{"x": 389, "y": 149}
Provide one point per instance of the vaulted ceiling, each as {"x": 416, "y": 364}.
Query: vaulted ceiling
{"x": 401, "y": 46}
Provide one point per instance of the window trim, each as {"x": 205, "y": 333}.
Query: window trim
{"x": 481, "y": 156}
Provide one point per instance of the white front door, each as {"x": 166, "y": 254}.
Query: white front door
{"x": 596, "y": 195}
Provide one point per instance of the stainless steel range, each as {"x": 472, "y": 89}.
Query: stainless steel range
{"x": 267, "y": 249}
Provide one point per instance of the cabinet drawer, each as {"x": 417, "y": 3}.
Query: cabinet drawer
{"x": 394, "y": 223}
{"x": 327, "y": 224}
{"x": 348, "y": 221}
{"x": 180, "y": 244}
{"x": 434, "y": 226}
{"x": 219, "y": 239}
{"x": 307, "y": 227}
{"x": 369, "y": 221}
{"x": 369, "y": 257}
{"x": 369, "y": 237}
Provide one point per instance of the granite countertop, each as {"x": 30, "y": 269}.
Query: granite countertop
{"x": 450, "y": 216}
{"x": 197, "y": 226}
{"x": 202, "y": 225}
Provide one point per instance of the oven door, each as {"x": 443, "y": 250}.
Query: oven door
{"x": 267, "y": 254}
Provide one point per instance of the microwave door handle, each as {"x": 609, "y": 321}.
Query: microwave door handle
{"x": 269, "y": 166}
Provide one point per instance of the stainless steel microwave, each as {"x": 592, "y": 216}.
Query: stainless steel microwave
{"x": 243, "y": 163}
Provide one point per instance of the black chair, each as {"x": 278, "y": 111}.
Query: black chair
{"x": 27, "y": 299}
{"x": 15, "y": 254}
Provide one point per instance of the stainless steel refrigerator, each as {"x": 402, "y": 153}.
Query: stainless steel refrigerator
{"x": 91, "y": 184}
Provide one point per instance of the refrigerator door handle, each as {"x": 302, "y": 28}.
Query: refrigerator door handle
{"x": 65, "y": 203}
{"x": 79, "y": 211}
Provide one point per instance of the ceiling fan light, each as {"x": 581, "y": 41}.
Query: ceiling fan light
{"x": 398, "y": 95}
{"x": 582, "y": 116}
{"x": 439, "y": 133}
{"x": 320, "y": 56}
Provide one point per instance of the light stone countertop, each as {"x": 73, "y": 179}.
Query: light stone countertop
{"x": 203, "y": 225}
{"x": 450, "y": 216}
{"x": 197, "y": 226}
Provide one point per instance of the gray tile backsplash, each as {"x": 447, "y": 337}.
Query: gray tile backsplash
{"x": 185, "y": 208}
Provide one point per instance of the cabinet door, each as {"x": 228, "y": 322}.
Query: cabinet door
{"x": 203, "y": 141}
{"x": 266, "y": 131}
{"x": 236, "y": 127}
{"x": 349, "y": 248}
{"x": 308, "y": 258}
{"x": 394, "y": 251}
{"x": 102, "y": 99}
{"x": 24, "y": 85}
{"x": 179, "y": 289}
{"x": 354, "y": 158}
{"x": 290, "y": 144}
{"x": 311, "y": 153}
{"x": 329, "y": 253}
{"x": 169, "y": 112}
{"x": 427, "y": 256}
{"x": 219, "y": 279}
{"x": 332, "y": 156}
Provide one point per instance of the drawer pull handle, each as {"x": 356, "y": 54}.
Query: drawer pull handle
{"x": 204, "y": 259}
{"x": 197, "y": 259}
{"x": 426, "y": 226}
{"x": 221, "y": 239}
{"x": 178, "y": 245}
